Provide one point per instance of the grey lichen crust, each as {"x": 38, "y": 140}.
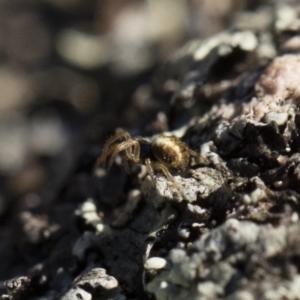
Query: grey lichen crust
{"x": 236, "y": 231}
{"x": 202, "y": 184}
{"x": 237, "y": 260}
{"x": 94, "y": 284}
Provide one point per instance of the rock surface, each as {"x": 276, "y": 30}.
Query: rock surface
{"x": 228, "y": 230}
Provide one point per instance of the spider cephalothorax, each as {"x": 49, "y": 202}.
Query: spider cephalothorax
{"x": 163, "y": 153}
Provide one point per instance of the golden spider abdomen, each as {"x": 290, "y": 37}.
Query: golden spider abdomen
{"x": 171, "y": 152}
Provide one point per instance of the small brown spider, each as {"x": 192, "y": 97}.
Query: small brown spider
{"x": 162, "y": 153}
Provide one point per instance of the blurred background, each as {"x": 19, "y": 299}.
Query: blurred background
{"x": 71, "y": 72}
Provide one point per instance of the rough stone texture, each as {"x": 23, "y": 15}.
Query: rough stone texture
{"x": 94, "y": 284}
{"x": 250, "y": 139}
{"x": 72, "y": 233}
{"x": 237, "y": 258}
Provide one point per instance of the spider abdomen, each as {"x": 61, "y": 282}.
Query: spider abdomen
{"x": 171, "y": 152}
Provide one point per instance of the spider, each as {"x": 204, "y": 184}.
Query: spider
{"x": 163, "y": 153}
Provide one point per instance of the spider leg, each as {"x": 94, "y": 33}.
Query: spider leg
{"x": 117, "y": 136}
{"x": 125, "y": 164}
{"x": 199, "y": 158}
{"x": 108, "y": 145}
{"x": 164, "y": 169}
{"x": 193, "y": 153}
{"x": 150, "y": 171}
{"x": 129, "y": 152}
{"x": 136, "y": 150}
{"x": 132, "y": 153}
{"x": 121, "y": 147}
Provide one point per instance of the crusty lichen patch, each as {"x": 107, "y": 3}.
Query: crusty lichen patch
{"x": 278, "y": 86}
{"x": 239, "y": 237}
{"x": 234, "y": 259}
